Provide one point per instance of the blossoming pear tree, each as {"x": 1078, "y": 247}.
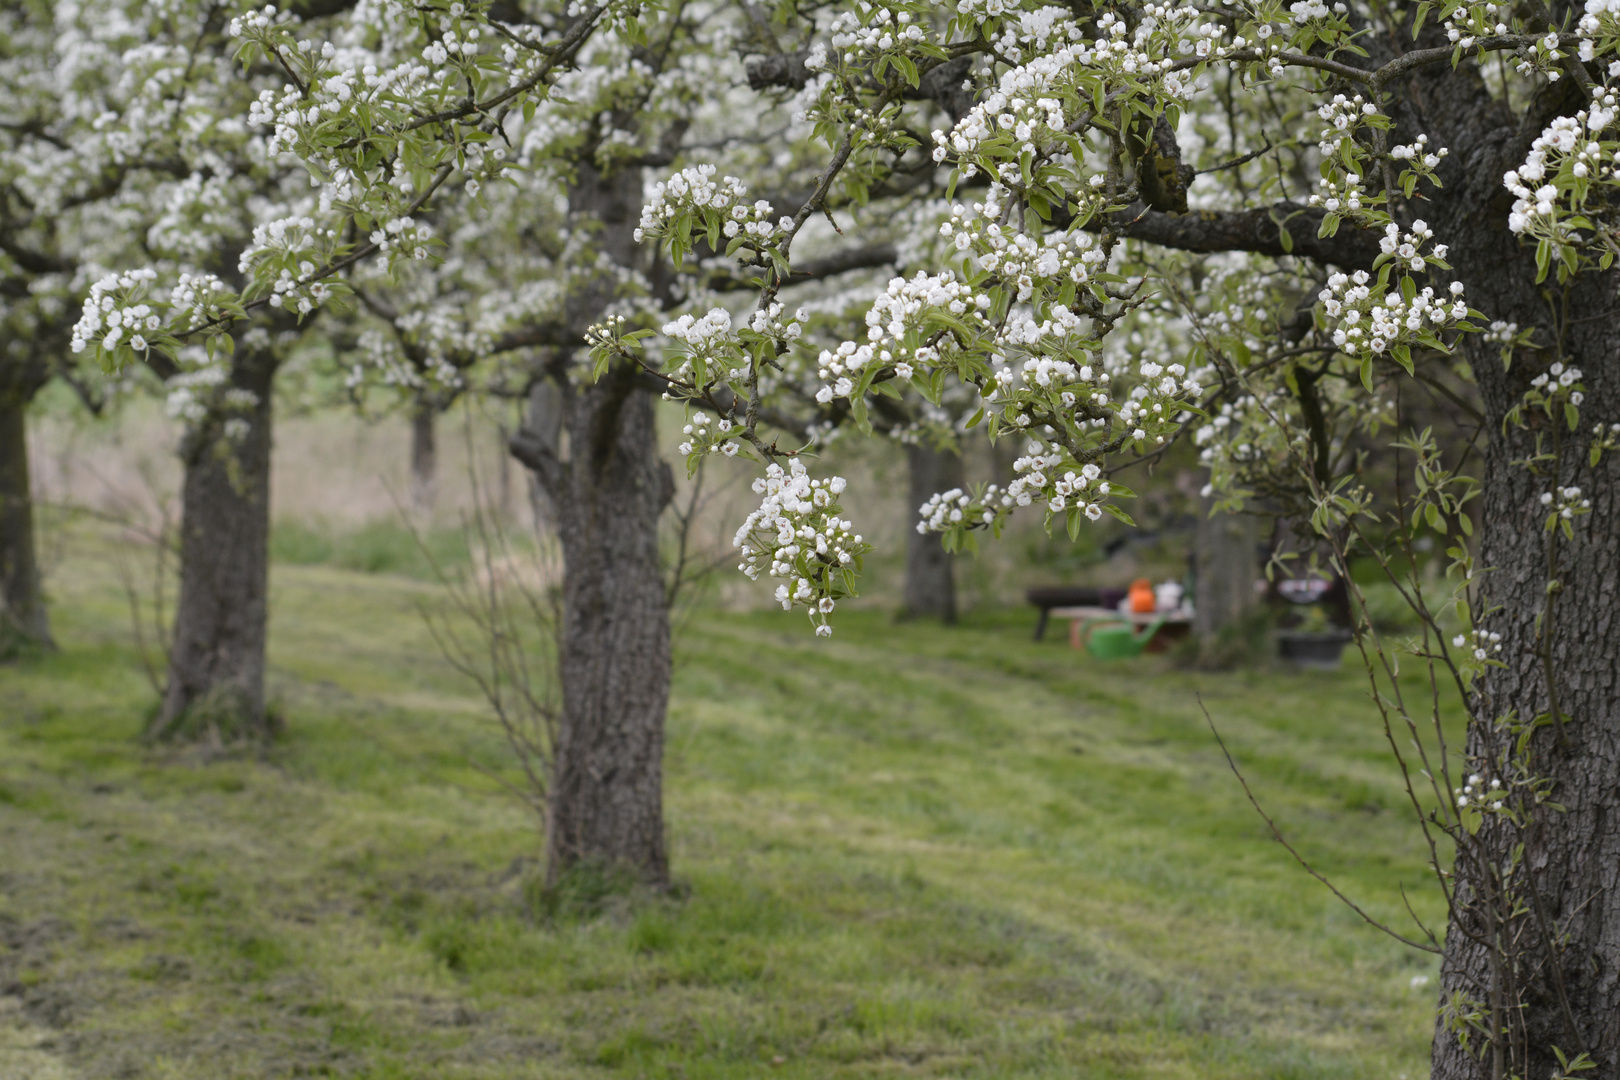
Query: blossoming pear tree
{"x": 1451, "y": 220}
{"x": 62, "y": 176}
{"x": 1429, "y": 178}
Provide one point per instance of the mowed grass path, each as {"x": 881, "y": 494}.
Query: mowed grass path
{"x": 909, "y": 851}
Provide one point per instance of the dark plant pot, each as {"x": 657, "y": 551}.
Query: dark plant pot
{"x": 1318, "y": 652}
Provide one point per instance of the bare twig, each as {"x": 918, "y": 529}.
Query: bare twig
{"x": 1309, "y": 869}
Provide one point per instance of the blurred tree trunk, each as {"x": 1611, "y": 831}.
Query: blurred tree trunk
{"x": 1223, "y": 594}
{"x": 217, "y": 661}
{"x": 930, "y": 589}
{"x": 22, "y": 602}
{"x": 543, "y": 419}
{"x": 424, "y": 457}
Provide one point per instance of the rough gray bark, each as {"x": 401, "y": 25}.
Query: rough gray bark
{"x": 930, "y": 590}
{"x": 22, "y": 602}
{"x": 543, "y": 419}
{"x": 1223, "y": 595}
{"x": 606, "y": 486}
{"x": 606, "y": 495}
{"x": 217, "y": 660}
{"x": 424, "y": 456}
{"x": 1575, "y": 855}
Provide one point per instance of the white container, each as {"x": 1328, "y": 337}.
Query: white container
{"x": 1167, "y": 595}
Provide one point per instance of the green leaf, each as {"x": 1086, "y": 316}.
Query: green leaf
{"x": 1366, "y": 373}
{"x": 1120, "y": 514}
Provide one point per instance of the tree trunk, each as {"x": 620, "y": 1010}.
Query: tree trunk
{"x": 1570, "y": 991}
{"x": 930, "y": 579}
{"x": 424, "y": 457}
{"x": 216, "y": 663}
{"x": 1223, "y": 592}
{"x": 543, "y": 419}
{"x": 606, "y": 494}
{"x": 22, "y": 604}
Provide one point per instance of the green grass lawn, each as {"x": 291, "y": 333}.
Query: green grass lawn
{"x": 909, "y": 851}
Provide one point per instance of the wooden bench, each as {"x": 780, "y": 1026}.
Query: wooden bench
{"x": 1049, "y": 597}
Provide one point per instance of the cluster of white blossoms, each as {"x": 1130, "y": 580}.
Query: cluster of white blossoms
{"x": 908, "y": 310}
{"x": 1419, "y": 162}
{"x": 1077, "y": 493}
{"x": 706, "y": 348}
{"x": 1031, "y": 33}
{"x": 1474, "y": 792}
{"x": 1305, "y": 11}
{"x": 1418, "y": 152}
{"x": 702, "y": 438}
{"x": 285, "y": 257}
{"x": 1343, "y": 199}
{"x": 438, "y": 52}
{"x": 768, "y": 322}
{"x": 884, "y": 31}
{"x": 694, "y": 190}
{"x": 1559, "y": 378}
{"x": 1369, "y": 325}
{"x": 1469, "y": 21}
{"x": 1566, "y": 502}
{"x": 1083, "y": 489}
{"x": 1022, "y": 260}
{"x": 1558, "y": 392}
{"x": 201, "y": 298}
{"x": 1542, "y": 57}
{"x": 1343, "y": 115}
{"x": 1552, "y": 183}
{"x": 1479, "y": 643}
{"x": 1026, "y": 108}
{"x": 296, "y": 114}
{"x": 403, "y": 235}
{"x": 1028, "y": 112}
{"x": 1601, "y": 21}
{"x": 797, "y": 534}
{"x": 116, "y": 312}
{"x": 1406, "y": 248}
{"x": 949, "y": 508}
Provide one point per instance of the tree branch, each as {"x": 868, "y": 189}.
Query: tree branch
{"x": 1257, "y": 230}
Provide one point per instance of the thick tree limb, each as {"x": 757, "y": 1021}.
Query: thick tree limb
{"x": 867, "y": 257}
{"x": 780, "y": 70}
{"x": 1258, "y": 230}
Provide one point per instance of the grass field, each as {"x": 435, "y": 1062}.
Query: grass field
{"x": 907, "y": 852}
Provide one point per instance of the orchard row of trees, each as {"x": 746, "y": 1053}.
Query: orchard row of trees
{"x": 1273, "y": 230}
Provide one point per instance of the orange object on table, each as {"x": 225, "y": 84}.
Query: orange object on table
{"x": 1141, "y": 596}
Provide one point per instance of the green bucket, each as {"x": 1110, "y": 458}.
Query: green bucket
{"x": 1116, "y": 639}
